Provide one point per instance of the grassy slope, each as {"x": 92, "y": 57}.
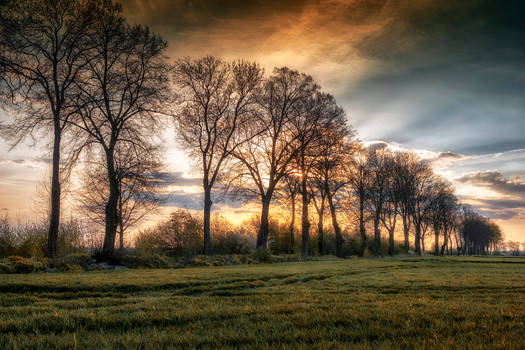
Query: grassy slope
{"x": 385, "y": 303}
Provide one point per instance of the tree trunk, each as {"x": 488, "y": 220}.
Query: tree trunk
{"x": 391, "y": 246}
{"x": 445, "y": 241}
{"x": 405, "y": 232}
{"x": 377, "y": 234}
{"x": 54, "y": 222}
{"x": 436, "y": 240}
{"x": 120, "y": 222}
{"x": 320, "y": 231}
{"x": 337, "y": 229}
{"x": 305, "y": 223}
{"x": 111, "y": 205}
{"x": 362, "y": 226}
{"x": 262, "y": 235}
{"x": 418, "y": 238}
{"x": 207, "y": 217}
{"x": 292, "y": 227}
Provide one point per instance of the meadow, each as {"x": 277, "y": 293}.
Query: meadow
{"x": 358, "y": 303}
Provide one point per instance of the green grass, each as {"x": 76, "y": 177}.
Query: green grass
{"x": 441, "y": 303}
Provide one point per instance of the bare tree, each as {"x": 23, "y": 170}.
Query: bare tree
{"x": 441, "y": 199}
{"x": 378, "y": 190}
{"x": 218, "y": 100}
{"x": 319, "y": 116}
{"x": 423, "y": 181}
{"x": 330, "y": 174}
{"x": 42, "y": 44}
{"x": 390, "y": 211}
{"x": 124, "y": 84}
{"x": 359, "y": 183}
{"x": 266, "y": 158}
{"x": 287, "y": 194}
{"x": 449, "y": 221}
{"x": 318, "y": 197}
{"x": 404, "y": 177}
{"x": 140, "y": 177}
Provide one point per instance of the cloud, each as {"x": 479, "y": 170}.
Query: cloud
{"x": 499, "y": 214}
{"x": 507, "y": 200}
{"x": 449, "y": 155}
{"x": 377, "y": 145}
{"x": 178, "y": 178}
{"x": 495, "y": 180}
{"x": 179, "y": 199}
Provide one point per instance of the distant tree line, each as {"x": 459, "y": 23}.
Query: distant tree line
{"x": 104, "y": 89}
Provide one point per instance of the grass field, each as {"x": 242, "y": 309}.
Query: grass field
{"x": 442, "y": 303}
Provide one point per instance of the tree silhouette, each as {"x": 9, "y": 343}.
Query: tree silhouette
{"x": 217, "y": 101}
{"x": 267, "y": 158}
{"x": 124, "y": 85}
{"x": 42, "y": 44}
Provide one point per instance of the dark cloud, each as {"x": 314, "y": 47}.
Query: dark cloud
{"x": 495, "y": 180}
{"x": 501, "y": 204}
{"x": 377, "y": 145}
{"x": 498, "y": 214}
{"x": 178, "y": 178}
{"x": 451, "y": 74}
{"x": 449, "y": 155}
{"x": 512, "y": 192}
{"x": 183, "y": 200}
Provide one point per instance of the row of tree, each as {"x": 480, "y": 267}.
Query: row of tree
{"x": 281, "y": 137}
{"x": 104, "y": 87}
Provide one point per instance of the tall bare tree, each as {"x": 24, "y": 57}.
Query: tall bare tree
{"x": 330, "y": 173}
{"x": 390, "y": 210}
{"x": 359, "y": 180}
{"x": 318, "y": 197}
{"x": 124, "y": 85}
{"x": 218, "y": 101}
{"x": 42, "y": 45}
{"x": 421, "y": 199}
{"x": 267, "y": 158}
{"x": 378, "y": 190}
{"x": 320, "y": 115}
{"x": 287, "y": 194}
{"x": 404, "y": 180}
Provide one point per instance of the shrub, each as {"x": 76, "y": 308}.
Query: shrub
{"x": 146, "y": 260}
{"x": 80, "y": 259}
{"x": 30, "y": 240}
{"x": 262, "y": 255}
{"x": 200, "y": 262}
{"x": 22, "y": 265}
{"x": 62, "y": 265}
{"x": 231, "y": 242}
{"x": 180, "y": 235}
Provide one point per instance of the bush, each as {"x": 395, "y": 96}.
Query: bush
{"x": 61, "y": 265}
{"x": 200, "y": 262}
{"x": 23, "y": 265}
{"x": 30, "y": 240}
{"x": 146, "y": 260}
{"x": 262, "y": 255}
{"x": 80, "y": 259}
{"x": 181, "y": 235}
{"x": 231, "y": 242}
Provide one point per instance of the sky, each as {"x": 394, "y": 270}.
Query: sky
{"x": 445, "y": 79}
